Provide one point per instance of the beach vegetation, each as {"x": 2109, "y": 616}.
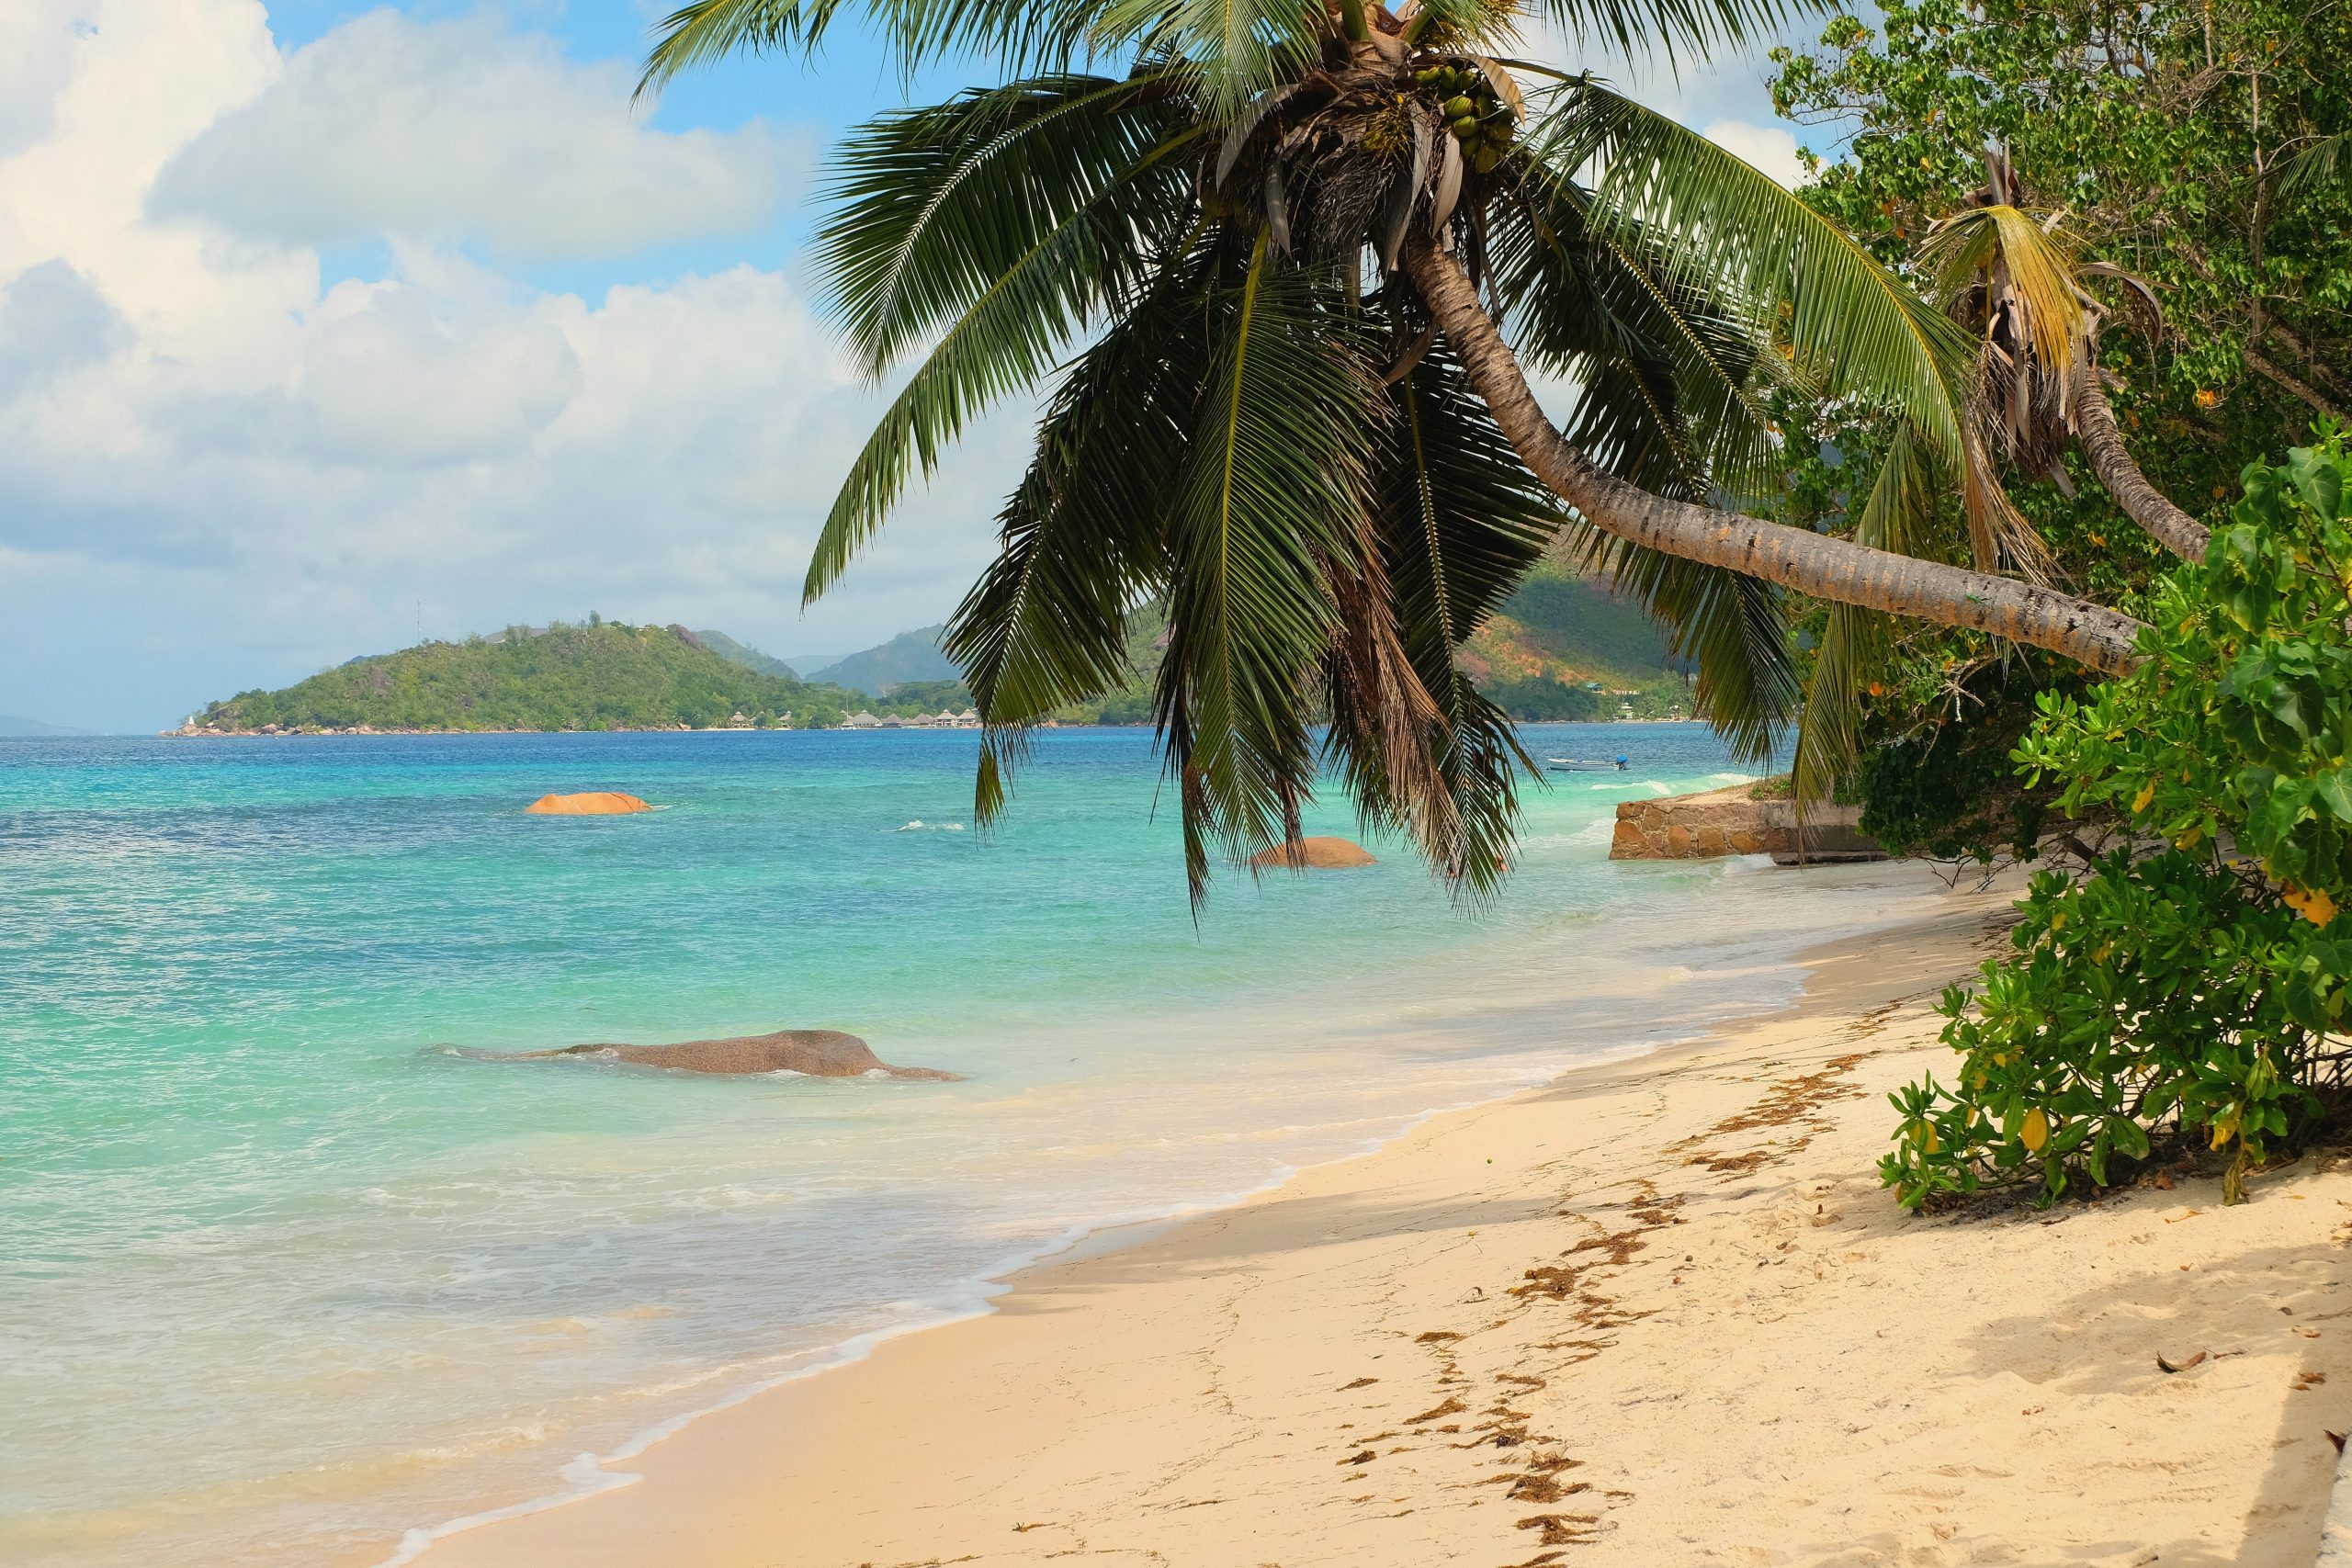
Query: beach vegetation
{"x": 2194, "y": 980}
{"x": 2176, "y": 158}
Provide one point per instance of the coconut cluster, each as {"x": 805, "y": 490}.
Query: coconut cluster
{"x": 1475, "y": 113}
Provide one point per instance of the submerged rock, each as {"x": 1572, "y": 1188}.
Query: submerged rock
{"x": 1319, "y": 853}
{"x": 594, "y": 802}
{"x": 821, "y": 1053}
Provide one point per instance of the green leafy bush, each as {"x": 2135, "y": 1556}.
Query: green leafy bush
{"x": 1948, "y": 790}
{"x": 2196, "y": 979}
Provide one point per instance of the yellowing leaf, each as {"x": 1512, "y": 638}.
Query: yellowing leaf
{"x": 2225, "y": 1126}
{"x": 2147, "y": 793}
{"x": 2036, "y": 1131}
{"x": 2313, "y": 904}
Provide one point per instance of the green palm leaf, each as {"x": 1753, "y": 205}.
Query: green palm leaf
{"x": 1459, "y": 521}
{"x": 1271, "y": 492}
{"x": 933, "y": 206}
{"x": 1021, "y": 35}
{"x": 1665, "y": 375}
{"x": 1897, "y": 516}
{"x": 920, "y": 240}
{"x": 1046, "y": 623}
{"x": 1670, "y": 377}
{"x": 1235, "y": 49}
{"x": 1794, "y": 278}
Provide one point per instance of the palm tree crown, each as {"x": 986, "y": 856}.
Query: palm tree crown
{"x": 1264, "y": 275}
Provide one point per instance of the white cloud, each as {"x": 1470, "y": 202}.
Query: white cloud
{"x": 453, "y": 130}
{"x": 52, "y": 322}
{"x": 220, "y": 473}
{"x": 1767, "y": 147}
{"x": 36, "y": 43}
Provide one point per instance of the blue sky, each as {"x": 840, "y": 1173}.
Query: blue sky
{"x": 323, "y": 322}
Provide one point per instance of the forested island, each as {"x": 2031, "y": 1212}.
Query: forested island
{"x": 597, "y": 675}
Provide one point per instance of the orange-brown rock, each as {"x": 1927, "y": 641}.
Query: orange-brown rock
{"x": 1732, "y": 822}
{"x": 819, "y": 1053}
{"x": 596, "y": 803}
{"x": 1318, "y": 854}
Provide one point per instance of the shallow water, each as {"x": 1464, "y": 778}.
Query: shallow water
{"x": 282, "y": 1278}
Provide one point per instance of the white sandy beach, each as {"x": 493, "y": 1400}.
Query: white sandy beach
{"x": 1660, "y": 1312}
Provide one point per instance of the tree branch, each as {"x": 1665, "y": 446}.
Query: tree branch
{"x": 2262, "y": 365}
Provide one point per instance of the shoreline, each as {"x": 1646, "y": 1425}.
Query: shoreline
{"x": 591, "y": 1477}
{"x": 1490, "y": 1300}
{"x": 363, "y": 731}
{"x": 588, "y": 1477}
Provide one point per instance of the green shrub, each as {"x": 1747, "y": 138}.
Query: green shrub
{"x": 1948, "y": 790}
{"x": 2195, "y": 980}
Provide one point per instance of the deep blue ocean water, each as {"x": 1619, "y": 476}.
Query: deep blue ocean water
{"x": 283, "y": 1280}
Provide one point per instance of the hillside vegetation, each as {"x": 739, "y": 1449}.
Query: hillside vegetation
{"x": 604, "y": 675}
{"x": 744, "y": 654}
{"x": 1561, "y": 637}
{"x": 1539, "y": 659}
{"x": 910, "y": 655}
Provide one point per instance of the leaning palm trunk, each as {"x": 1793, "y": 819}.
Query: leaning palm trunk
{"x": 2111, "y": 461}
{"x": 1835, "y": 570}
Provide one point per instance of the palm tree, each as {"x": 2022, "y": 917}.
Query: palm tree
{"x": 2017, "y": 285}
{"x": 1269, "y": 269}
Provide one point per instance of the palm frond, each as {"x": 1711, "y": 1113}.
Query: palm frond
{"x": 1684, "y": 32}
{"x": 1235, "y": 49}
{"x": 2034, "y": 264}
{"x": 1671, "y": 378}
{"x": 1895, "y": 517}
{"x": 1020, "y": 36}
{"x": 1271, "y": 490}
{"x": 1046, "y": 623}
{"x": 1033, "y": 275}
{"x": 1459, "y": 521}
{"x": 707, "y": 31}
{"x": 1794, "y": 278}
{"x": 1730, "y": 626}
{"x": 931, "y": 205}
{"x": 2326, "y": 161}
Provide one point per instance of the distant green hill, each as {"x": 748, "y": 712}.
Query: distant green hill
{"x": 910, "y": 655}
{"x": 26, "y": 728}
{"x": 603, "y": 675}
{"x": 747, "y": 656}
{"x": 1563, "y": 647}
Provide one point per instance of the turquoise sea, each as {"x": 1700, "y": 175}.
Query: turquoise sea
{"x": 283, "y": 1281}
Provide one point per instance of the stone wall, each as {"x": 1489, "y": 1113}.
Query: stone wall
{"x": 1732, "y": 823}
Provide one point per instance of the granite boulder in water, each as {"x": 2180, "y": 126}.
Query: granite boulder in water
{"x": 594, "y": 802}
{"x": 819, "y": 1053}
{"x": 1317, "y": 854}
